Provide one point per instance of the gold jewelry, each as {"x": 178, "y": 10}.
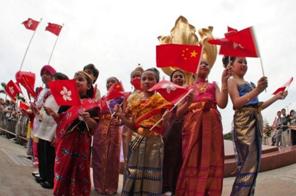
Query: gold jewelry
{"x": 202, "y": 87}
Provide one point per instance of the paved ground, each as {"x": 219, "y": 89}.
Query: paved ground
{"x": 16, "y": 178}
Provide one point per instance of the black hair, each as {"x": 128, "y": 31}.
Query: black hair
{"x": 60, "y": 76}
{"x": 177, "y": 70}
{"x": 226, "y": 60}
{"x": 93, "y": 69}
{"x": 154, "y": 70}
{"x": 137, "y": 69}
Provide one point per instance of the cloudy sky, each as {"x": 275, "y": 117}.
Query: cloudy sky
{"x": 117, "y": 35}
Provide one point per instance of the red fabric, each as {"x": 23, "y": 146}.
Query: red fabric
{"x": 136, "y": 82}
{"x": 54, "y": 28}
{"x": 65, "y": 92}
{"x": 170, "y": 91}
{"x": 283, "y": 88}
{"x": 185, "y": 57}
{"x": 72, "y": 162}
{"x": 27, "y": 80}
{"x": 12, "y": 89}
{"x": 115, "y": 91}
{"x": 202, "y": 169}
{"x": 31, "y": 24}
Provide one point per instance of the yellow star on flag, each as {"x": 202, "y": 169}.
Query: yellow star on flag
{"x": 193, "y": 54}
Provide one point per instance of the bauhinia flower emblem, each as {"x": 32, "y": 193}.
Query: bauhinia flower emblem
{"x": 66, "y": 94}
{"x": 169, "y": 87}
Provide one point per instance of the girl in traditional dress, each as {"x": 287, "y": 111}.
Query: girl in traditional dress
{"x": 73, "y": 137}
{"x": 247, "y": 124}
{"x": 203, "y": 150}
{"x": 106, "y": 148}
{"x": 144, "y": 167}
{"x": 173, "y": 144}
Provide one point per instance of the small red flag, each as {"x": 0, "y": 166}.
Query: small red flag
{"x": 170, "y": 91}
{"x": 115, "y": 91}
{"x": 31, "y": 24}
{"x": 64, "y": 92}
{"x": 185, "y": 57}
{"x": 284, "y": 87}
{"x": 27, "y": 80}
{"x": 54, "y": 28}
{"x": 23, "y": 105}
{"x": 238, "y": 43}
{"x": 12, "y": 89}
{"x": 136, "y": 82}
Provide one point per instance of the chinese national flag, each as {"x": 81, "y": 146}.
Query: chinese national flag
{"x": 115, "y": 91}
{"x": 12, "y": 89}
{"x": 27, "y": 80}
{"x": 64, "y": 92}
{"x": 170, "y": 91}
{"x": 185, "y": 57}
{"x": 54, "y": 28}
{"x": 31, "y": 24}
{"x": 284, "y": 87}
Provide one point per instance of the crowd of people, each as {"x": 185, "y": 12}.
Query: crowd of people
{"x": 168, "y": 149}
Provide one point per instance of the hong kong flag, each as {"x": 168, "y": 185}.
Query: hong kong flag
{"x": 64, "y": 92}
{"x": 185, "y": 57}
{"x": 23, "y": 105}
{"x": 238, "y": 43}
{"x": 284, "y": 87}
{"x": 27, "y": 80}
{"x": 31, "y": 24}
{"x": 12, "y": 89}
{"x": 170, "y": 91}
{"x": 54, "y": 28}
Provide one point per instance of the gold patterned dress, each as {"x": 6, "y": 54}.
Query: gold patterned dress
{"x": 143, "y": 175}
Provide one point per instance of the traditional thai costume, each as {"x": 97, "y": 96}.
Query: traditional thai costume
{"x": 72, "y": 163}
{"x": 143, "y": 175}
{"x": 247, "y": 137}
{"x": 106, "y": 151}
{"x": 203, "y": 150}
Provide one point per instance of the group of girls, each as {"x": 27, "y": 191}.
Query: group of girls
{"x": 179, "y": 152}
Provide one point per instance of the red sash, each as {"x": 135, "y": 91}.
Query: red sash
{"x": 69, "y": 116}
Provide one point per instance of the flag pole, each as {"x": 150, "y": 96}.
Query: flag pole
{"x": 55, "y": 43}
{"x": 258, "y": 51}
{"x": 23, "y": 60}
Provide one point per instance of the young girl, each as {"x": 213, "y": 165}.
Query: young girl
{"x": 106, "y": 148}
{"x": 203, "y": 150}
{"x": 144, "y": 168}
{"x": 247, "y": 124}
{"x": 73, "y": 136}
{"x": 173, "y": 143}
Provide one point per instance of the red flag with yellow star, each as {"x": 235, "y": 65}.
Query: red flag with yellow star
{"x": 185, "y": 57}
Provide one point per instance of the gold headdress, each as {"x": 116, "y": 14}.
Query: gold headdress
{"x": 184, "y": 33}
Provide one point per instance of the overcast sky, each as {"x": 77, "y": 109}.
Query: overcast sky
{"x": 117, "y": 35}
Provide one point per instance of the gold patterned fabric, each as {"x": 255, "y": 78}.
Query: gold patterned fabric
{"x": 247, "y": 136}
{"x": 143, "y": 175}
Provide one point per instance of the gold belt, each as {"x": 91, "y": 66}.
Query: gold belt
{"x": 202, "y": 106}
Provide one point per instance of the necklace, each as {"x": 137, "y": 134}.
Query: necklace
{"x": 202, "y": 87}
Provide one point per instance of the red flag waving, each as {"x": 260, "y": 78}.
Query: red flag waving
{"x": 27, "y": 80}
{"x": 54, "y": 28}
{"x": 185, "y": 57}
{"x": 170, "y": 91}
{"x": 23, "y": 105}
{"x": 238, "y": 43}
{"x": 115, "y": 91}
{"x": 31, "y": 24}
{"x": 12, "y": 89}
{"x": 65, "y": 92}
{"x": 284, "y": 87}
